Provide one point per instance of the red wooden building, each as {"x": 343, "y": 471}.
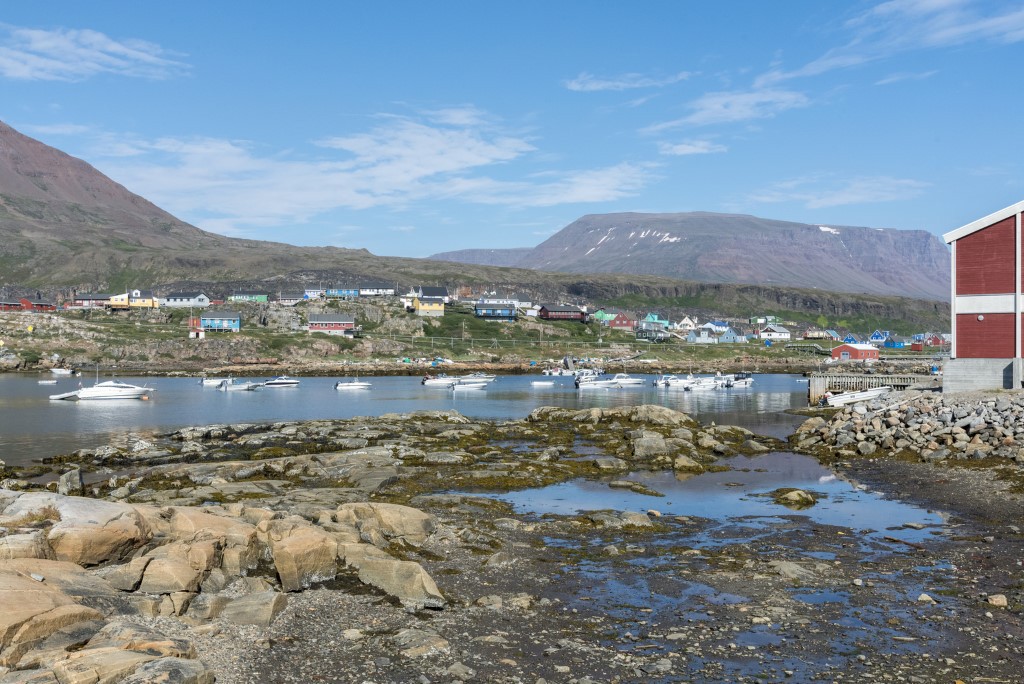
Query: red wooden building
{"x": 986, "y": 303}
{"x": 552, "y": 312}
{"x": 855, "y": 352}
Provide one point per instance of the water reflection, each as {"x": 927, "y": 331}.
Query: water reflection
{"x": 32, "y": 427}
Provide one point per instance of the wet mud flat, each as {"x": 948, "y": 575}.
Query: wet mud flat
{"x": 651, "y": 589}
{"x": 776, "y": 598}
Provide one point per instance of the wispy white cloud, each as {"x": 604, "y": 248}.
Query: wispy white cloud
{"x": 816, "y": 192}
{"x": 588, "y": 83}
{"x": 55, "y": 129}
{"x": 734, "y": 106}
{"x": 905, "y": 25}
{"x": 232, "y": 187}
{"x": 76, "y": 54}
{"x": 905, "y": 76}
{"x": 691, "y": 147}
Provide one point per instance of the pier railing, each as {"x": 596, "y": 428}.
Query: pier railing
{"x": 819, "y": 383}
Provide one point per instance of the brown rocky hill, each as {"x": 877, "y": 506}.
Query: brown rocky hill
{"x": 735, "y": 248}
{"x": 64, "y": 225}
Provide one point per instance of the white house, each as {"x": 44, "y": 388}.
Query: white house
{"x": 186, "y": 300}
{"x": 773, "y": 332}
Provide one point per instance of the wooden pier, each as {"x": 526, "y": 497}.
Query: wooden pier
{"x": 819, "y": 383}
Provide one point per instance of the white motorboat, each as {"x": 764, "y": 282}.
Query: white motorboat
{"x": 440, "y": 380}
{"x": 474, "y": 378}
{"x": 212, "y": 382}
{"x": 108, "y": 389}
{"x": 246, "y": 386}
{"x": 47, "y": 382}
{"x": 282, "y": 381}
{"x": 62, "y": 371}
{"x": 847, "y": 398}
{"x": 543, "y": 383}
{"x": 626, "y": 380}
{"x": 351, "y": 385}
{"x": 740, "y": 380}
{"x": 461, "y": 386}
{"x": 703, "y": 383}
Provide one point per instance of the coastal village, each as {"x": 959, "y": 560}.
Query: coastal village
{"x": 215, "y": 315}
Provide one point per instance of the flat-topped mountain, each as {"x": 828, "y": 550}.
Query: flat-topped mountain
{"x": 736, "y": 248}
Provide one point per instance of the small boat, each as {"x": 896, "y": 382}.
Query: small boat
{"x": 543, "y": 383}
{"x": 847, "y": 398}
{"x": 47, "y": 382}
{"x": 473, "y": 378}
{"x": 740, "y": 380}
{"x": 702, "y": 383}
{"x": 461, "y": 386}
{"x": 247, "y": 386}
{"x": 440, "y": 380}
{"x": 212, "y": 382}
{"x": 351, "y": 385}
{"x": 281, "y": 381}
{"x": 109, "y": 389}
{"x": 625, "y": 380}
{"x": 62, "y": 371}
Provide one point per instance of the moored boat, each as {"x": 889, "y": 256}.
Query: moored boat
{"x": 246, "y": 386}
{"x": 212, "y": 382}
{"x": 282, "y": 381}
{"x": 108, "y": 389}
{"x": 351, "y": 385}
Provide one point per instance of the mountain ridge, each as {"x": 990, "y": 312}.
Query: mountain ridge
{"x": 742, "y": 249}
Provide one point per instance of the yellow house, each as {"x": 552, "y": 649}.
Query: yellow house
{"x": 428, "y": 306}
{"x": 134, "y": 299}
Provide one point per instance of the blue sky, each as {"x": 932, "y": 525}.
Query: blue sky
{"x": 410, "y": 128}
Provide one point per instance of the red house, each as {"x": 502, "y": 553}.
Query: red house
{"x": 36, "y": 305}
{"x": 332, "y": 324}
{"x": 552, "y": 312}
{"x": 855, "y": 352}
{"x": 986, "y": 303}
{"x": 622, "y": 321}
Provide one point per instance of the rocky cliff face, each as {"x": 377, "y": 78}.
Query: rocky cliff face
{"x": 733, "y": 248}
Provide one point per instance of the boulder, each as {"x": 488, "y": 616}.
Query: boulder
{"x": 32, "y": 611}
{"x": 405, "y": 580}
{"x": 255, "y": 609}
{"x": 302, "y": 554}
{"x": 383, "y": 522}
{"x": 96, "y": 665}
{"x": 170, "y": 671}
{"x": 89, "y": 531}
{"x": 28, "y": 545}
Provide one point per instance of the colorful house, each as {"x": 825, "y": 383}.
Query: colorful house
{"x": 655, "y": 318}
{"x": 186, "y": 300}
{"x": 851, "y": 339}
{"x": 290, "y": 298}
{"x": 702, "y": 336}
{"x": 732, "y": 336}
{"x": 495, "y": 312}
{"x": 774, "y": 332}
{"x": 134, "y": 299}
{"x": 855, "y": 352}
{"x": 341, "y": 293}
{"x": 560, "y": 312}
{"x": 331, "y": 324}
{"x": 428, "y": 306}
{"x": 878, "y": 337}
{"x": 220, "y": 321}
{"x": 89, "y": 300}
{"x": 259, "y": 297}
{"x": 622, "y": 321}
{"x": 376, "y": 290}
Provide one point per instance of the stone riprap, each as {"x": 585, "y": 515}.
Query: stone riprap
{"x": 927, "y": 424}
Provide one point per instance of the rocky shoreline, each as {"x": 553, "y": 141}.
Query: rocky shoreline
{"x": 368, "y": 550}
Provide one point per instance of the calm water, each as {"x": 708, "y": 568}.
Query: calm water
{"x": 32, "y": 426}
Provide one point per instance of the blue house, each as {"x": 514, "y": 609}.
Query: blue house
{"x": 851, "y": 339}
{"x": 341, "y": 292}
{"x": 833, "y": 335}
{"x": 732, "y": 336}
{"x": 656, "y": 319}
{"x": 220, "y": 321}
{"x": 495, "y": 312}
{"x": 893, "y": 342}
{"x": 878, "y": 337}
{"x": 702, "y": 336}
